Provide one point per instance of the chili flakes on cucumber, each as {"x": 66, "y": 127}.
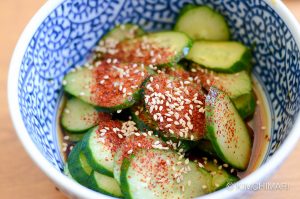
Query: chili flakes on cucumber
{"x": 177, "y": 106}
{"x": 117, "y": 85}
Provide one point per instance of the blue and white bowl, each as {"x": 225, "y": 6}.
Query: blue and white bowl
{"x": 62, "y": 34}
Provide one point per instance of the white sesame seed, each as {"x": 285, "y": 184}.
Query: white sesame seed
{"x": 168, "y": 126}
{"x": 130, "y": 151}
{"x": 108, "y": 61}
{"x": 106, "y": 77}
{"x": 81, "y": 94}
{"x": 119, "y": 111}
{"x": 137, "y": 134}
{"x": 66, "y": 137}
{"x": 169, "y": 119}
{"x": 192, "y": 137}
{"x": 225, "y": 165}
{"x": 181, "y": 134}
{"x": 171, "y": 131}
{"x": 204, "y": 187}
{"x": 120, "y": 135}
{"x": 102, "y": 81}
{"x": 186, "y": 161}
{"x": 67, "y": 111}
{"x": 145, "y": 134}
{"x": 151, "y": 79}
{"x": 103, "y": 130}
{"x": 200, "y": 165}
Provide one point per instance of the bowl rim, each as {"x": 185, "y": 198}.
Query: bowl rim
{"x": 73, "y": 188}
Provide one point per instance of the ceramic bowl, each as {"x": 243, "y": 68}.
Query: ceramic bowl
{"x": 62, "y": 34}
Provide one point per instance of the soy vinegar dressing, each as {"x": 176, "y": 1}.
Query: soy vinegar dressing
{"x": 261, "y": 126}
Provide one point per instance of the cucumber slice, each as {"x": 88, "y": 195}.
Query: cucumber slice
{"x": 133, "y": 144}
{"x": 104, "y": 184}
{"x": 227, "y": 57}
{"x": 157, "y": 49}
{"x": 100, "y": 145}
{"x": 226, "y": 130}
{"x": 176, "y": 105}
{"x": 77, "y": 83}
{"x": 157, "y": 174}
{"x": 202, "y": 23}
{"x": 109, "y": 41}
{"x": 124, "y": 31}
{"x": 78, "y": 116}
{"x": 108, "y": 86}
{"x": 234, "y": 85}
{"x": 220, "y": 177}
{"x": 144, "y": 122}
{"x": 78, "y": 166}
{"x": 245, "y": 104}
{"x": 237, "y": 86}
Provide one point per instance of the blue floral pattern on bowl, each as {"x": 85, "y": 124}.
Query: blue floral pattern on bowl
{"x": 67, "y": 36}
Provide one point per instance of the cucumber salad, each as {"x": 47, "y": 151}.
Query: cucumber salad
{"x": 161, "y": 114}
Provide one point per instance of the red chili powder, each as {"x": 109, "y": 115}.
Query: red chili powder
{"x": 112, "y": 140}
{"x": 161, "y": 86}
{"x": 139, "y": 51}
{"x": 115, "y": 83}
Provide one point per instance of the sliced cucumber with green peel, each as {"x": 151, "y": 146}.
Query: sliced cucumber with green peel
{"x": 78, "y": 116}
{"x": 113, "y": 37}
{"x": 234, "y": 85}
{"x": 238, "y": 86}
{"x": 220, "y": 177}
{"x": 245, "y": 104}
{"x": 157, "y": 49}
{"x": 226, "y": 57}
{"x": 176, "y": 42}
{"x": 104, "y": 184}
{"x": 156, "y": 174}
{"x": 226, "y": 130}
{"x": 145, "y": 123}
{"x": 98, "y": 153}
{"x": 78, "y": 166}
{"x": 202, "y": 23}
{"x": 132, "y": 144}
{"x": 124, "y": 31}
{"x": 109, "y": 87}
{"x": 100, "y": 145}
{"x": 77, "y": 83}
